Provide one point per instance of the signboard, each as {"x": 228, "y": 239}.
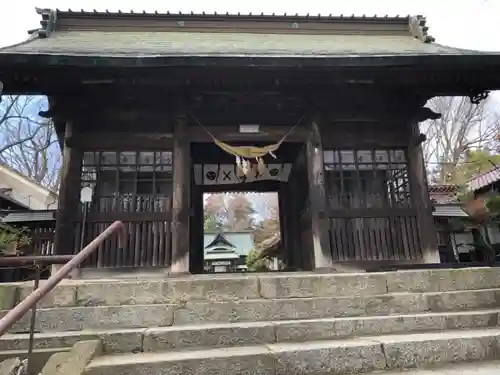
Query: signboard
{"x": 86, "y": 194}
{"x": 225, "y": 174}
{"x": 249, "y": 129}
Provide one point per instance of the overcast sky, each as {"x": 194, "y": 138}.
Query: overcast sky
{"x": 465, "y": 23}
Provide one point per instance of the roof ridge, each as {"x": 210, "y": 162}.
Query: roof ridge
{"x": 236, "y": 14}
{"x": 416, "y": 24}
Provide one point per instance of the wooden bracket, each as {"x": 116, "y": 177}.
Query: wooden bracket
{"x": 479, "y": 96}
{"x": 419, "y": 139}
{"x": 426, "y": 113}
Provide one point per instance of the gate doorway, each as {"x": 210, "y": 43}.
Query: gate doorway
{"x": 284, "y": 180}
{"x": 242, "y": 232}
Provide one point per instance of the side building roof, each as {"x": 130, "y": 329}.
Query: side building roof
{"x": 132, "y": 39}
{"x": 485, "y": 179}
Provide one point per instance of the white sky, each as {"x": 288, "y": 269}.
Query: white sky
{"x": 464, "y": 23}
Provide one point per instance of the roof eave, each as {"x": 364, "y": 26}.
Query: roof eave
{"x": 13, "y": 201}
{"x": 466, "y": 61}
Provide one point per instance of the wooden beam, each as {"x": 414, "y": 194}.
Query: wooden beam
{"x": 317, "y": 196}
{"x": 155, "y": 140}
{"x": 181, "y": 194}
{"x": 231, "y": 133}
{"x": 69, "y": 197}
{"x": 120, "y": 141}
{"x": 69, "y": 80}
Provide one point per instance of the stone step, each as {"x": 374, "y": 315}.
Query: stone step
{"x": 114, "y": 292}
{"x": 38, "y": 358}
{"x": 194, "y": 312}
{"x": 355, "y": 355}
{"x": 255, "y": 333}
{"x": 483, "y": 368}
{"x": 10, "y": 366}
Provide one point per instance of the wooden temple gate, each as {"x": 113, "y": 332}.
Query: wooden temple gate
{"x": 349, "y": 204}
{"x": 124, "y": 115}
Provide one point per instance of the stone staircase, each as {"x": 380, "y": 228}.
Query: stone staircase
{"x": 288, "y": 324}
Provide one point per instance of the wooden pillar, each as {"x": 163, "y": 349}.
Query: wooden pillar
{"x": 180, "y": 196}
{"x": 322, "y": 252}
{"x": 285, "y": 230}
{"x": 421, "y": 199}
{"x": 292, "y": 214}
{"x": 68, "y": 209}
{"x": 196, "y": 231}
{"x": 300, "y": 222}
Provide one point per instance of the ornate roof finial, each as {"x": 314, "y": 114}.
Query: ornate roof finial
{"x": 418, "y": 29}
{"x": 477, "y": 96}
{"x": 48, "y": 22}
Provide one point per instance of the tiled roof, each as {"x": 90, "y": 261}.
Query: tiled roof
{"x": 448, "y": 210}
{"x": 485, "y": 179}
{"x": 241, "y": 242}
{"x": 220, "y": 240}
{"x": 158, "y": 44}
{"x": 442, "y": 194}
{"x": 7, "y": 198}
{"x": 135, "y": 43}
{"x": 26, "y": 216}
{"x": 442, "y": 188}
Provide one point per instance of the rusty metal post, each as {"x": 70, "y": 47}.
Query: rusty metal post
{"x": 25, "y": 305}
{"x": 33, "y": 319}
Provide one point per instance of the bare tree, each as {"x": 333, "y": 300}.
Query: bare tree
{"x": 28, "y": 143}
{"x": 269, "y": 227}
{"x": 463, "y": 127}
{"x": 233, "y": 211}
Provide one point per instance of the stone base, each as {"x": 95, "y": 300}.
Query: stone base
{"x": 172, "y": 273}
{"x": 339, "y": 268}
{"x": 123, "y": 273}
{"x": 431, "y": 256}
{"x": 74, "y": 274}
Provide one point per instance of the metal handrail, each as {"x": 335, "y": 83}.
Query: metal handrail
{"x": 31, "y": 300}
{"x": 26, "y": 260}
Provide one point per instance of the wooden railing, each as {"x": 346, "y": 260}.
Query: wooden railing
{"x": 390, "y": 235}
{"x": 147, "y": 219}
{"x": 147, "y": 243}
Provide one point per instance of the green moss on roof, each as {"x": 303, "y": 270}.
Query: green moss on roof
{"x": 158, "y": 44}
